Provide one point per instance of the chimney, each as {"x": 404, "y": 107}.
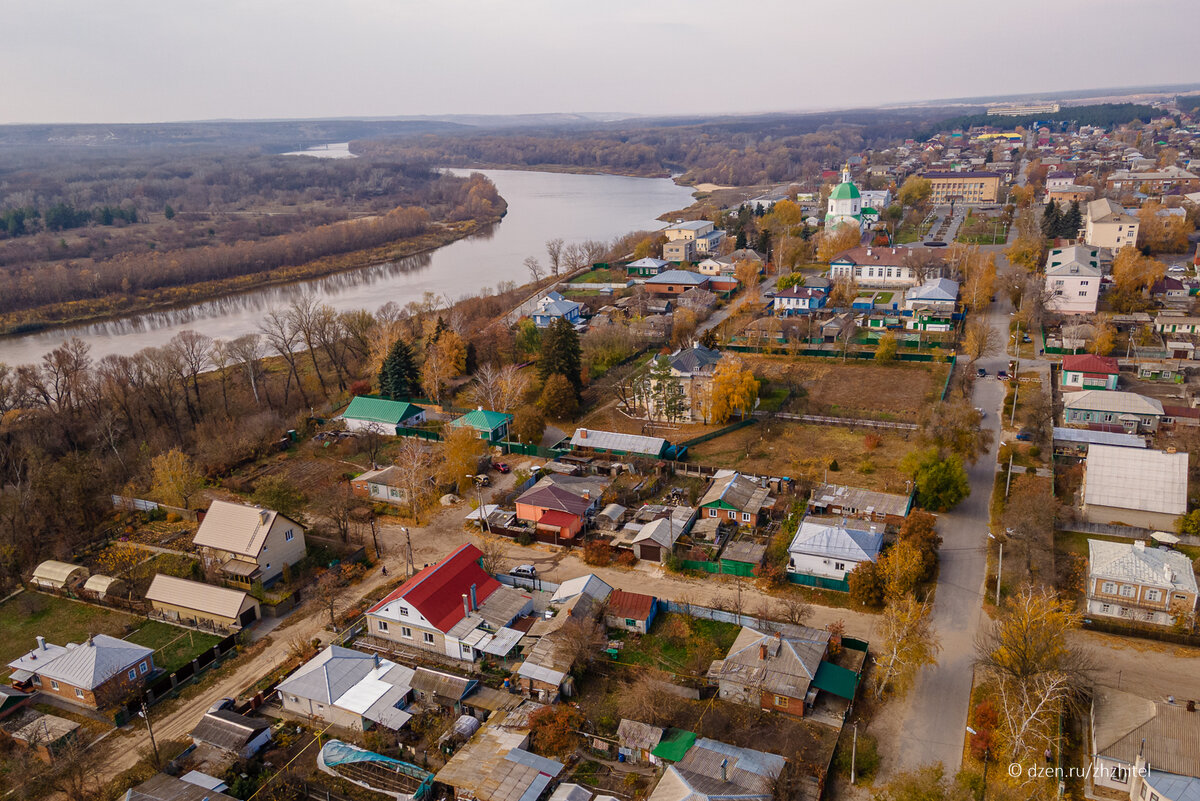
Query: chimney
{"x": 762, "y": 651}
{"x": 1191, "y": 706}
{"x": 582, "y": 433}
{"x": 466, "y": 604}
{"x": 586, "y": 495}
{"x": 868, "y": 251}
{"x": 91, "y": 643}
{"x": 725, "y": 770}
{"x": 376, "y": 659}
{"x": 474, "y": 599}
{"x": 41, "y": 641}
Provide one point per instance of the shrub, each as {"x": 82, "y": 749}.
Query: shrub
{"x": 866, "y": 585}
{"x": 173, "y": 517}
{"x": 871, "y": 441}
{"x": 833, "y": 465}
{"x": 525, "y": 538}
{"x": 597, "y": 554}
{"x": 1035, "y": 451}
{"x": 773, "y": 575}
{"x": 626, "y": 559}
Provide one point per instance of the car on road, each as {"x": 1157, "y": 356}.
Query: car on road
{"x": 981, "y": 373}
{"x": 1002, "y": 375}
{"x": 982, "y": 413}
{"x": 523, "y": 571}
{"x": 224, "y": 703}
{"x": 500, "y": 467}
{"x": 1025, "y": 338}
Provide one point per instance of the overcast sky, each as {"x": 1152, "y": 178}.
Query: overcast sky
{"x": 155, "y": 60}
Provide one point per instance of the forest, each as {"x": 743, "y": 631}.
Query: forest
{"x": 104, "y": 231}
{"x": 741, "y": 151}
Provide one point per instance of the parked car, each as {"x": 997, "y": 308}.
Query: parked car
{"x": 982, "y": 413}
{"x": 524, "y": 571}
{"x": 500, "y": 467}
{"x": 1002, "y": 375}
{"x": 1025, "y": 436}
{"x": 981, "y": 372}
{"x": 224, "y": 703}
{"x": 1025, "y": 338}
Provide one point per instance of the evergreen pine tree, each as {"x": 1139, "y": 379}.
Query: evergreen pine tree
{"x": 1050, "y": 219}
{"x": 740, "y": 242}
{"x": 561, "y": 354}
{"x": 1072, "y": 221}
{"x": 398, "y": 375}
{"x": 660, "y": 386}
{"x": 709, "y": 339}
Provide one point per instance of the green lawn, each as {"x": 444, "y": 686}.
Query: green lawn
{"x": 59, "y": 620}
{"x": 173, "y": 646}
{"x": 679, "y": 651}
{"x": 601, "y": 276}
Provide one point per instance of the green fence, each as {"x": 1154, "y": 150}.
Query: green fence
{"x": 720, "y": 432}
{"x": 526, "y": 449}
{"x": 419, "y": 433}
{"x": 854, "y": 644}
{"x": 833, "y": 354}
{"x": 707, "y": 567}
{"x": 820, "y": 582}
{"x": 731, "y": 568}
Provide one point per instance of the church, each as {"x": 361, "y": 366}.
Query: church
{"x": 846, "y": 205}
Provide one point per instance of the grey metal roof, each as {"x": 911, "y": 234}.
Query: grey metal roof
{"x": 228, "y": 730}
{"x": 738, "y": 491}
{"x": 934, "y": 289}
{"x": 1112, "y": 401}
{"x": 614, "y": 441}
{"x": 749, "y": 774}
{"x": 1134, "y": 562}
{"x": 679, "y": 277}
{"x": 442, "y": 685}
{"x": 1099, "y": 437}
{"x": 696, "y": 359}
{"x": 90, "y": 664}
{"x": 329, "y": 675}
{"x": 744, "y": 551}
{"x": 821, "y": 537}
{"x": 167, "y": 788}
{"x": 589, "y": 584}
{"x": 1128, "y": 478}
{"x": 778, "y": 663}
{"x": 861, "y": 500}
{"x": 663, "y": 532}
{"x": 1122, "y": 720}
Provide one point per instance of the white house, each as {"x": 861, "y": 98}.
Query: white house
{"x": 350, "y": 689}
{"x": 832, "y": 548}
{"x": 1146, "y": 585}
{"x": 381, "y": 415}
{"x": 875, "y": 267}
{"x": 1073, "y": 280}
{"x": 553, "y": 306}
{"x": 1107, "y": 225}
{"x": 798, "y": 300}
{"x": 939, "y": 294}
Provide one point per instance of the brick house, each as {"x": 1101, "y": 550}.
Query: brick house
{"x": 773, "y": 672}
{"x": 97, "y": 673}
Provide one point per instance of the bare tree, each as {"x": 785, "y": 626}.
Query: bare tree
{"x": 248, "y": 350}
{"x": 416, "y": 462}
{"x": 979, "y": 340}
{"x": 535, "y": 269}
{"x": 194, "y": 349}
{"x": 303, "y": 315}
{"x": 220, "y": 356}
{"x": 329, "y": 585}
{"x": 554, "y": 249}
{"x": 280, "y": 332}
{"x": 338, "y": 505}
{"x": 493, "y": 560}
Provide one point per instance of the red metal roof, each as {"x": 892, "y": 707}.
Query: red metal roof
{"x": 559, "y": 520}
{"x": 1090, "y": 363}
{"x": 436, "y": 592}
{"x": 632, "y": 605}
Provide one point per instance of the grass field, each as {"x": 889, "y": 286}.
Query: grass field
{"x": 863, "y": 390}
{"x": 59, "y": 620}
{"x": 601, "y": 276}
{"x": 708, "y": 637}
{"x": 786, "y": 448}
{"x": 173, "y": 647}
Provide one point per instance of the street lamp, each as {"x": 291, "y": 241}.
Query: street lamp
{"x": 999, "y": 564}
{"x": 986, "y": 753}
{"x": 479, "y": 495}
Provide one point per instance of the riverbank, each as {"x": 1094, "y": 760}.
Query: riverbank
{"x": 95, "y": 310}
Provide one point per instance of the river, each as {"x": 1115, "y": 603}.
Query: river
{"x": 541, "y": 206}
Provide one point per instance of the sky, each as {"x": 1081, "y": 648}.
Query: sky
{"x": 164, "y": 60}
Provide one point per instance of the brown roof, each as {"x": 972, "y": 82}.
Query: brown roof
{"x": 888, "y": 257}
{"x": 631, "y": 605}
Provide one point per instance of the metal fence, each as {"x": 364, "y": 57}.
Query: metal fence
{"x": 720, "y": 432}
{"x": 852, "y": 422}
{"x": 819, "y": 582}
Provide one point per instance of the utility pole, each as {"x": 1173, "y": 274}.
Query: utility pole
{"x": 375, "y": 537}
{"x": 999, "y": 565}
{"x": 409, "y": 568}
{"x": 854, "y": 752}
{"x": 150, "y": 731}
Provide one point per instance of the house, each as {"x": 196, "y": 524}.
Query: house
{"x": 1088, "y": 371}
{"x": 875, "y": 267}
{"x": 798, "y": 300}
{"x": 561, "y": 504}
{"x": 248, "y": 543}
{"x": 939, "y": 294}
{"x": 1073, "y": 280}
{"x": 647, "y": 267}
{"x": 1145, "y": 585}
{"x": 162, "y": 787}
{"x": 831, "y": 548}
{"x": 714, "y": 771}
{"x": 1115, "y": 410}
{"x": 236, "y": 734}
{"x": 733, "y": 496}
{"x": 590, "y": 585}
{"x": 631, "y": 611}
{"x": 44, "y": 735}
{"x": 382, "y": 485}
{"x": 618, "y": 444}
{"x": 1169, "y": 289}
{"x": 636, "y": 741}
{"x": 54, "y": 575}
{"x": 1144, "y": 749}
{"x": 1058, "y": 179}
{"x": 452, "y": 607}
{"x": 494, "y": 764}
{"x": 716, "y": 265}
{"x": 554, "y": 306}
{"x": 1153, "y": 182}
{"x": 676, "y": 282}
{"x": 1135, "y": 487}
{"x": 656, "y": 539}
{"x": 492, "y": 426}
{"x": 699, "y": 232}
{"x": 843, "y": 501}
{"x": 963, "y": 187}
{"x": 551, "y": 649}
{"x": 680, "y": 250}
{"x": 350, "y": 689}
{"x": 100, "y": 672}
{"x": 381, "y": 415}
{"x": 740, "y": 557}
{"x": 202, "y": 605}
{"x": 771, "y": 671}
{"x": 1076, "y": 441}
{"x": 1106, "y": 225}
{"x": 1176, "y": 324}
{"x": 692, "y": 368}
{"x": 1070, "y": 193}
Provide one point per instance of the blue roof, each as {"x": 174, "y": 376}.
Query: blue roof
{"x": 1099, "y": 437}
{"x": 1174, "y": 787}
{"x": 679, "y": 277}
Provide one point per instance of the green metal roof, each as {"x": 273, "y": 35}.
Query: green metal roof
{"x": 845, "y": 191}
{"x": 482, "y": 420}
{"x": 380, "y": 410}
{"x": 674, "y": 744}
{"x": 836, "y": 679}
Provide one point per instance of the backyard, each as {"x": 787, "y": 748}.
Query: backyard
{"x": 865, "y": 458}
{"x": 678, "y": 644}
{"x": 601, "y": 275}
{"x": 173, "y": 646}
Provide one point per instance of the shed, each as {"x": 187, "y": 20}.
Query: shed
{"x": 609, "y": 518}
{"x": 638, "y": 740}
{"x": 58, "y": 575}
{"x": 631, "y": 611}
{"x": 199, "y": 604}
{"x": 741, "y": 557}
{"x": 231, "y": 732}
{"x": 106, "y": 587}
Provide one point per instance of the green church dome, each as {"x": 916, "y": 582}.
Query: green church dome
{"x": 845, "y": 191}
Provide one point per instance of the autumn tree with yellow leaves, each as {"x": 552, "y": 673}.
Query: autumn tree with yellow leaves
{"x": 734, "y": 389}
